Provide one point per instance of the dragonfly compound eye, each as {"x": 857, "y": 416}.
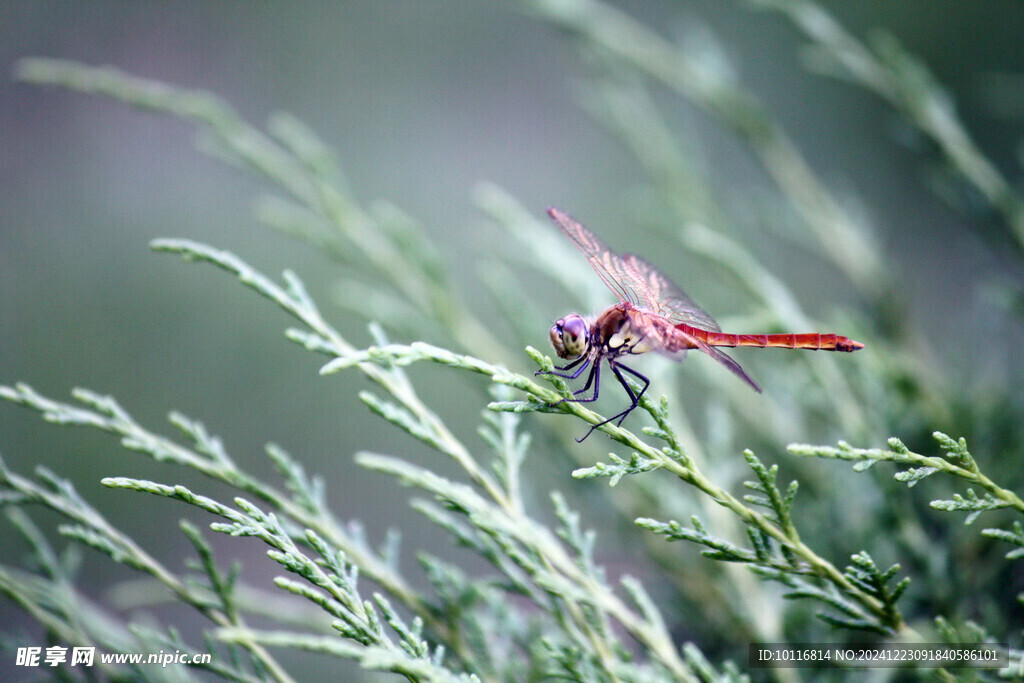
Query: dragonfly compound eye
{"x": 569, "y": 336}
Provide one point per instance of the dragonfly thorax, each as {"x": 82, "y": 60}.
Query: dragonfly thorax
{"x": 570, "y": 336}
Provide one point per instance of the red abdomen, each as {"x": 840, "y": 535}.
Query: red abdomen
{"x": 813, "y": 340}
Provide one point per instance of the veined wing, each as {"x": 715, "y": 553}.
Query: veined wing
{"x": 666, "y": 298}
{"x": 606, "y": 263}
{"x": 632, "y": 279}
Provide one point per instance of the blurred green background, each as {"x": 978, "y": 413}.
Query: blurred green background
{"x": 423, "y": 100}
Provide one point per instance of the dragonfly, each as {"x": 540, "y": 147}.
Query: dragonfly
{"x": 653, "y": 314}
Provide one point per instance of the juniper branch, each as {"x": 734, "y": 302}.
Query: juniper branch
{"x": 957, "y": 462}
{"x": 370, "y": 657}
{"x": 820, "y": 567}
{"x": 546, "y": 561}
{"x": 108, "y": 416}
{"x": 92, "y": 528}
{"x": 384, "y": 364}
{"x": 295, "y": 301}
{"x": 331, "y": 580}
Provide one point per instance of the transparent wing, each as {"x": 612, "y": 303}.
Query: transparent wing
{"x": 606, "y": 263}
{"x": 634, "y": 280}
{"x": 665, "y": 297}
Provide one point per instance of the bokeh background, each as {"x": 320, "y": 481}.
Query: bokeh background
{"x": 424, "y": 100}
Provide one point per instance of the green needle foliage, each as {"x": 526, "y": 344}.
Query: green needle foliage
{"x": 767, "y": 565}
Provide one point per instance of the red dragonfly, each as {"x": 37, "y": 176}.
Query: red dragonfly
{"x": 653, "y": 314}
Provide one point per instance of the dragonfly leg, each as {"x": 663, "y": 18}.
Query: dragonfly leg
{"x": 629, "y": 390}
{"x": 593, "y": 378}
{"x": 633, "y": 397}
{"x": 585, "y": 360}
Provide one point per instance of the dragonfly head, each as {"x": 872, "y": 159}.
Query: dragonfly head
{"x": 570, "y": 336}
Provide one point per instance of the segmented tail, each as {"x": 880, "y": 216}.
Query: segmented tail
{"x": 812, "y": 341}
